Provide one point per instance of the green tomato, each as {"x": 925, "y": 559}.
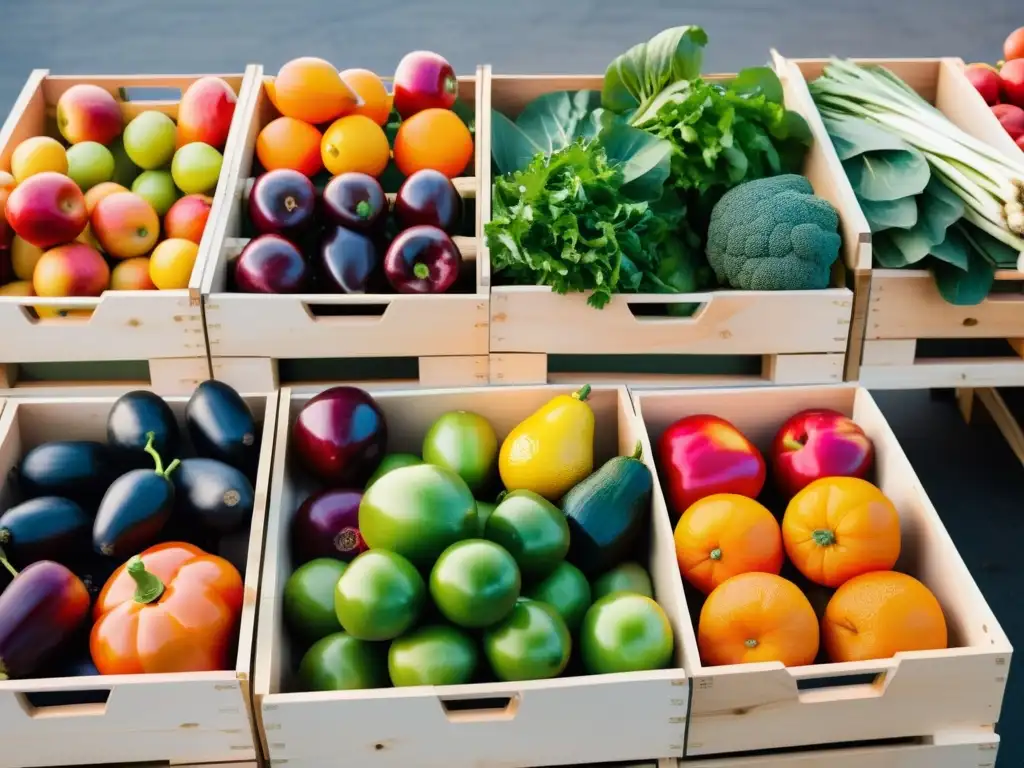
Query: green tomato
{"x": 533, "y": 529}
{"x": 532, "y": 643}
{"x": 393, "y": 461}
{"x": 567, "y": 591}
{"x": 465, "y": 443}
{"x": 475, "y": 583}
{"x": 432, "y": 655}
{"x": 626, "y": 577}
{"x": 484, "y": 510}
{"x": 625, "y": 632}
{"x": 379, "y": 596}
{"x": 340, "y": 662}
{"x": 308, "y": 602}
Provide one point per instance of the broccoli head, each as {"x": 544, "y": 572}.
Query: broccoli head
{"x": 773, "y": 234}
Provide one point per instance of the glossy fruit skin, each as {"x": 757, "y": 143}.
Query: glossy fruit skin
{"x": 566, "y": 590}
{"x": 222, "y": 427}
{"x": 627, "y": 577}
{"x": 436, "y": 139}
{"x": 532, "y": 529}
{"x": 187, "y": 218}
{"x": 347, "y": 260}
{"x": 327, "y": 525}
{"x": 532, "y": 643}
{"x": 484, "y": 510}
{"x": 86, "y": 112}
{"x": 625, "y": 632}
{"x": 149, "y": 140}
{"x": 38, "y": 154}
{"x": 90, "y": 163}
{"x": 417, "y": 512}
{"x": 702, "y": 455}
{"x": 757, "y": 617}
{"x": 433, "y": 655}
{"x": 375, "y": 100}
{"x": 465, "y": 443}
{"x": 40, "y": 610}
{"x": 44, "y": 528}
{"x": 213, "y": 494}
{"x": 1012, "y": 75}
{"x": 1011, "y": 117}
{"x": 196, "y": 168}
{"x": 133, "y": 512}
{"x": 422, "y": 260}
{"x": 340, "y": 662}
{"x": 172, "y": 262}
{"x": 158, "y": 189}
{"x": 46, "y": 210}
{"x": 818, "y": 443}
{"x": 356, "y": 201}
{"x": 271, "y": 264}
{"x": 429, "y": 197}
{"x": 355, "y": 144}
{"x": 391, "y": 462}
{"x": 282, "y": 202}
{"x": 424, "y": 80}
{"x": 986, "y": 81}
{"x": 205, "y": 112}
{"x": 379, "y": 596}
{"x": 475, "y": 583}
{"x": 308, "y": 601}
{"x": 134, "y": 415}
{"x": 290, "y": 143}
{"x": 339, "y": 436}
{"x": 125, "y": 225}
{"x": 71, "y": 270}
{"x": 80, "y": 470}
{"x": 311, "y": 89}
{"x": 131, "y": 275}
{"x": 189, "y": 627}
{"x": 1013, "y": 47}
{"x": 551, "y": 450}
{"x": 879, "y": 614}
{"x": 723, "y": 535}
{"x": 100, "y": 191}
{"x": 840, "y": 527}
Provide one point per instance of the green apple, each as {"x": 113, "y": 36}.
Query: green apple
{"x": 157, "y": 188}
{"x": 125, "y": 170}
{"x": 196, "y": 168}
{"x": 89, "y": 164}
{"x": 149, "y": 140}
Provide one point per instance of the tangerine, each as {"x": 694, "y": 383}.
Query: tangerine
{"x": 311, "y": 90}
{"x": 374, "y": 100}
{"x": 289, "y": 143}
{"x": 355, "y": 143}
{"x": 434, "y": 138}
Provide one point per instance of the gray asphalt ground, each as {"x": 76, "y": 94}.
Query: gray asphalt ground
{"x": 971, "y": 475}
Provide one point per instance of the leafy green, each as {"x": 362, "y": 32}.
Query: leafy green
{"x": 901, "y": 213}
{"x": 960, "y": 286}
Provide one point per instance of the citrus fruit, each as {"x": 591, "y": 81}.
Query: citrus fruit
{"x": 723, "y": 535}
{"x": 340, "y": 662}
{"x": 434, "y": 138}
{"x": 308, "y": 602}
{"x": 24, "y": 256}
{"x": 171, "y": 263}
{"x": 626, "y": 577}
{"x": 531, "y": 643}
{"x": 840, "y": 527}
{"x": 625, "y": 632}
{"x": 132, "y": 275}
{"x": 36, "y": 155}
{"x": 289, "y": 143}
{"x": 432, "y": 655}
{"x": 355, "y": 143}
{"x": 756, "y": 617}
{"x": 393, "y": 461}
{"x": 879, "y": 614}
{"x": 475, "y": 583}
{"x": 533, "y": 529}
{"x": 375, "y": 101}
{"x": 379, "y": 596}
{"x": 566, "y": 590}
{"x": 465, "y": 443}
{"x": 311, "y": 90}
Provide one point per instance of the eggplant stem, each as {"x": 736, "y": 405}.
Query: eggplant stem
{"x": 150, "y": 437}
{"x": 421, "y": 270}
{"x": 171, "y": 467}
{"x": 363, "y": 209}
{"x": 638, "y": 451}
{"x": 7, "y": 563}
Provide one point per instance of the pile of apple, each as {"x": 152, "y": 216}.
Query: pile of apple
{"x": 1002, "y": 86}
{"x": 114, "y": 205}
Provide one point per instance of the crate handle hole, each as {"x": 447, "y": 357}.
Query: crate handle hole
{"x": 66, "y": 703}
{"x": 149, "y": 93}
{"x": 667, "y": 311}
{"x": 859, "y": 685}
{"x": 346, "y": 311}
{"x": 480, "y": 710}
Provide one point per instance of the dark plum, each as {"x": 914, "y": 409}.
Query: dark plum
{"x": 422, "y": 259}
{"x": 355, "y": 200}
{"x": 271, "y": 264}
{"x": 347, "y": 260}
{"x": 428, "y": 197}
{"x": 327, "y": 525}
{"x": 282, "y": 202}
{"x": 340, "y": 436}
{"x": 424, "y": 80}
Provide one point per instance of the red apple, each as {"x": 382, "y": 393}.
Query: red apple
{"x": 187, "y": 218}
{"x": 71, "y": 270}
{"x": 1011, "y": 118}
{"x": 819, "y": 443}
{"x": 47, "y": 209}
{"x": 986, "y": 81}
{"x": 205, "y": 112}
{"x": 86, "y": 112}
{"x": 125, "y": 225}
{"x": 1012, "y": 75}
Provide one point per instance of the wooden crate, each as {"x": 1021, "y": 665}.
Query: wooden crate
{"x": 179, "y": 718}
{"x": 249, "y": 334}
{"x": 799, "y": 336}
{"x": 163, "y": 328}
{"x": 569, "y": 720}
{"x": 741, "y": 708}
{"x": 902, "y": 307}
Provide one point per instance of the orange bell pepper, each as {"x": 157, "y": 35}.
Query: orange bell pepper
{"x": 174, "y": 608}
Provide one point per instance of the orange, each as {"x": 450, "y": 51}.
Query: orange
{"x": 840, "y": 527}
{"x": 289, "y": 143}
{"x": 171, "y": 263}
{"x": 434, "y": 138}
{"x": 757, "y": 617}
{"x": 355, "y": 143}
{"x": 374, "y": 99}
{"x": 723, "y": 535}
{"x": 877, "y": 615}
{"x": 311, "y": 90}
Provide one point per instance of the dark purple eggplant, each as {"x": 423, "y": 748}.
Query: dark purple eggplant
{"x": 271, "y": 264}
{"x": 347, "y": 260}
{"x": 80, "y": 470}
{"x": 135, "y": 509}
{"x": 134, "y": 416}
{"x": 339, "y": 436}
{"x": 327, "y": 525}
{"x": 42, "y": 609}
{"x": 422, "y": 259}
{"x": 212, "y": 494}
{"x": 282, "y": 202}
{"x": 222, "y": 427}
{"x": 356, "y": 201}
{"x": 44, "y": 528}
{"x": 428, "y": 197}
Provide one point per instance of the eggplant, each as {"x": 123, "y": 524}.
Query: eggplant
{"x": 428, "y": 197}
{"x": 422, "y": 259}
{"x": 213, "y": 494}
{"x": 44, "y": 528}
{"x": 134, "y": 416}
{"x": 41, "y": 610}
{"x": 134, "y": 509}
{"x": 356, "y": 201}
{"x": 222, "y": 427}
{"x": 347, "y": 260}
{"x": 327, "y": 525}
{"x": 80, "y": 470}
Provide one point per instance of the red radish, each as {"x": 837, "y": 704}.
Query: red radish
{"x": 424, "y": 80}
{"x": 986, "y": 81}
{"x": 1012, "y": 75}
{"x": 1011, "y": 118}
{"x": 1013, "y": 48}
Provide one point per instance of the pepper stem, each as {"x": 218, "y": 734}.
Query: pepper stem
{"x": 791, "y": 444}
{"x": 824, "y": 537}
{"x": 363, "y": 209}
{"x": 421, "y": 270}
{"x": 150, "y": 438}
{"x": 582, "y": 393}
{"x": 716, "y": 554}
{"x": 7, "y": 563}
{"x": 638, "y": 451}
{"x": 147, "y": 586}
